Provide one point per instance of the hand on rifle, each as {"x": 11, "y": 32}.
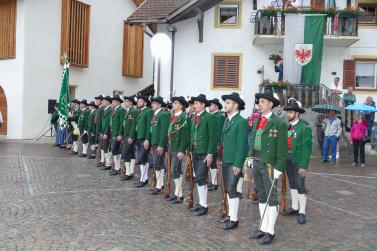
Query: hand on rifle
{"x": 104, "y": 136}
{"x": 302, "y": 172}
{"x": 218, "y": 163}
{"x": 277, "y": 174}
{"x": 249, "y": 161}
{"x": 236, "y": 170}
{"x": 180, "y": 155}
{"x": 119, "y": 138}
{"x": 146, "y": 145}
{"x": 160, "y": 150}
{"x": 208, "y": 159}
{"x": 130, "y": 141}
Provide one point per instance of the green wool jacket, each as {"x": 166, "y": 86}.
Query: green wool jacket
{"x": 83, "y": 120}
{"x": 234, "y": 140}
{"x": 75, "y": 117}
{"x": 220, "y": 118}
{"x": 129, "y": 125}
{"x": 116, "y": 121}
{"x": 91, "y": 125}
{"x": 98, "y": 118}
{"x": 274, "y": 145}
{"x": 54, "y": 118}
{"x": 205, "y": 133}
{"x": 179, "y": 133}
{"x": 159, "y": 128}
{"x": 302, "y": 141}
{"x": 143, "y": 123}
{"x": 106, "y": 116}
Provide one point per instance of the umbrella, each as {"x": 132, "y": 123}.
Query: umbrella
{"x": 325, "y": 108}
{"x": 361, "y": 108}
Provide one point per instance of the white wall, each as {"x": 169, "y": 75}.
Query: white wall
{"x": 42, "y": 70}
{"x": 193, "y": 66}
{"x": 11, "y": 79}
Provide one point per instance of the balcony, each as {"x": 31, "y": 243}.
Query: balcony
{"x": 339, "y": 31}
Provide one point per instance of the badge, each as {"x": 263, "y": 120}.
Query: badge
{"x": 276, "y": 133}
{"x": 270, "y": 133}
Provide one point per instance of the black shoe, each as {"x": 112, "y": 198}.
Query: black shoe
{"x": 230, "y": 225}
{"x": 202, "y": 211}
{"x": 266, "y": 239}
{"x": 171, "y": 198}
{"x": 140, "y": 184}
{"x": 91, "y": 157}
{"x": 156, "y": 191}
{"x": 83, "y": 155}
{"x": 145, "y": 182}
{"x": 226, "y": 219}
{"x": 301, "y": 219}
{"x": 105, "y": 168}
{"x": 195, "y": 208}
{"x": 100, "y": 164}
{"x": 126, "y": 177}
{"x": 114, "y": 172}
{"x": 74, "y": 153}
{"x": 290, "y": 211}
{"x": 212, "y": 187}
{"x": 257, "y": 235}
{"x": 177, "y": 200}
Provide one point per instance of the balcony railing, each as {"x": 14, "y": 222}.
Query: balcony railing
{"x": 334, "y": 25}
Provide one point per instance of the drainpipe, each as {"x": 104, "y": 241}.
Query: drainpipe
{"x": 171, "y": 28}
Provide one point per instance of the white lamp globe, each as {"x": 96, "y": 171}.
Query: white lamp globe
{"x": 161, "y": 45}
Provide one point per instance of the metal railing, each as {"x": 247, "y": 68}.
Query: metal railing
{"x": 334, "y": 25}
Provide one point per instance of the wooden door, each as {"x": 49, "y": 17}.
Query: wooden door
{"x": 4, "y": 111}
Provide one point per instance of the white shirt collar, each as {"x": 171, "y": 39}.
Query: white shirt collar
{"x": 294, "y": 122}
{"x": 107, "y": 107}
{"x": 177, "y": 113}
{"x": 268, "y": 115}
{"x": 155, "y": 113}
{"x": 199, "y": 113}
{"x": 214, "y": 112}
{"x": 231, "y": 116}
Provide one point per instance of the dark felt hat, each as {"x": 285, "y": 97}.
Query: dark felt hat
{"x": 131, "y": 98}
{"x": 99, "y": 97}
{"x": 75, "y": 101}
{"x": 216, "y": 101}
{"x": 200, "y": 98}
{"x": 181, "y": 100}
{"x": 159, "y": 100}
{"x": 108, "y": 98}
{"x": 236, "y": 98}
{"x": 84, "y": 101}
{"x": 146, "y": 99}
{"x": 269, "y": 95}
{"x": 92, "y": 104}
{"x": 294, "y": 105}
{"x": 117, "y": 97}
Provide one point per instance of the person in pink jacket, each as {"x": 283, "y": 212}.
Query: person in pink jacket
{"x": 357, "y": 139}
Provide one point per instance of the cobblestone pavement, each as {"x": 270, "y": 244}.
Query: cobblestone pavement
{"x": 50, "y": 200}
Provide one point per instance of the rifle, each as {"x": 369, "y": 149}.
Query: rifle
{"x": 154, "y": 178}
{"x": 168, "y": 175}
{"x": 283, "y": 203}
{"x": 98, "y": 150}
{"x": 191, "y": 177}
{"x": 253, "y": 196}
{"x": 224, "y": 202}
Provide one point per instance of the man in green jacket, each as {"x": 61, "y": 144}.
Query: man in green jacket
{"x": 299, "y": 151}
{"x": 158, "y": 137}
{"x": 73, "y": 120}
{"x": 92, "y": 130}
{"x": 83, "y": 127}
{"x": 203, "y": 147}
{"x": 215, "y": 108}
{"x": 98, "y": 124}
{"x": 106, "y": 132}
{"x": 143, "y": 125}
{"x": 129, "y": 136}
{"x": 178, "y": 140}
{"x": 233, "y": 151}
{"x": 270, "y": 152}
{"x": 116, "y": 125}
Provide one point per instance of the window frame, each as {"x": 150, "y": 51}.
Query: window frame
{"x": 375, "y": 14}
{"x": 359, "y": 60}
{"x": 214, "y": 86}
{"x": 239, "y": 14}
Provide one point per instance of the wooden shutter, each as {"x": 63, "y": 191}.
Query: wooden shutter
{"x": 349, "y": 73}
{"x": 8, "y": 10}
{"x": 226, "y": 71}
{"x": 133, "y": 51}
{"x": 318, "y": 3}
{"x": 75, "y": 32}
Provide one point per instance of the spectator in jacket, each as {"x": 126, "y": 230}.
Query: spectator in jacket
{"x": 333, "y": 130}
{"x": 369, "y": 117}
{"x": 357, "y": 139}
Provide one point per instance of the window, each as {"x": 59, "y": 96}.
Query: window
{"x": 366, "y": 75}
{"x": 75, "y": 32}
{"x": 226, "y": 71}
{"x": 302, "y": 3}
{"x": 318, "y": 3}
{"x": 8, "y": 9}
{"x": 368, "y": 14}
{"x": 228, "y": 15}
{"x": 72, "y": 91}
{"x": 133, "y": 51}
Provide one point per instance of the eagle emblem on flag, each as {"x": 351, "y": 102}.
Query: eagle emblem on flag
{"x": 303, "y": 53}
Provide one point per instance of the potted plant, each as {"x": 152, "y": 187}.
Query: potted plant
{"x": 349, "y": 12}
{"x": 269, "y": 11}
{"x": 277, "y": 85}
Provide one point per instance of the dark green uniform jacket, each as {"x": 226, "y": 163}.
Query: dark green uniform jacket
{"x": 302, "y": 141}
{"x": 129, "y": 125}
{"x": 179, "y": 133}
{"x": 143, "y": 123}
{"x": 116, "y": 122}
{"x": 105, "y": 127}
{"x": 204, "y": 135}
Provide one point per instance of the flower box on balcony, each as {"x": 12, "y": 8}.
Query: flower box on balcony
{"x": 349, "y": 12}
{"x": 269, "y": 12}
